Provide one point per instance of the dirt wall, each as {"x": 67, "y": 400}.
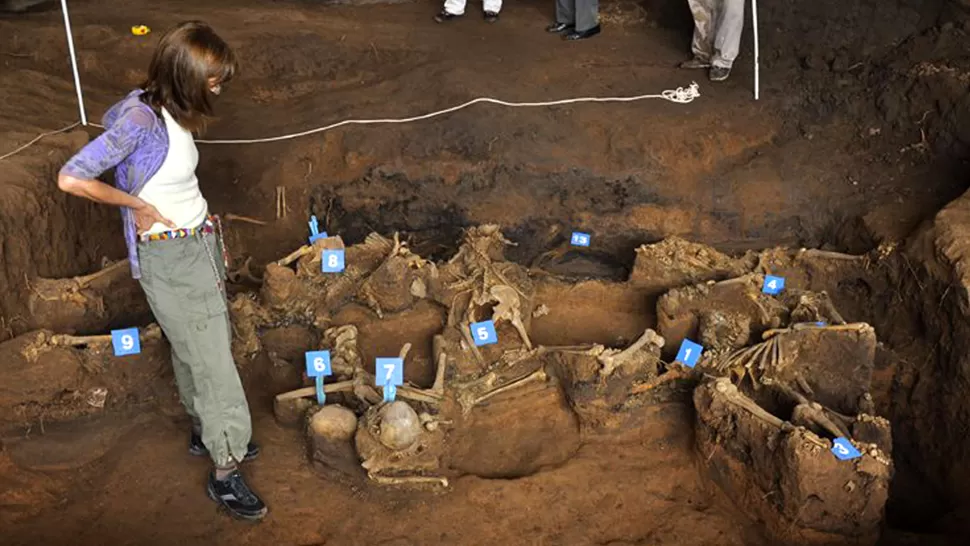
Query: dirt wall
{"x": 932, "y": 388}
{"x": 44, "y": 232}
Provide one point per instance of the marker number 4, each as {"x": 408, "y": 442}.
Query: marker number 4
{"x": 773, "y": 285}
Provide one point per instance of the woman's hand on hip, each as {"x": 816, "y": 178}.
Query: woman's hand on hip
{"x": 147, "y": 215}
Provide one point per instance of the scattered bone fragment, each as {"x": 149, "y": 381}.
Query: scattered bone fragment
{"x": 97, "y": 397}
{"x": 674, "y": 262}
{"x": 397, "y": 282}
{"x": 508, "y": 307}
{"x": 290, "y": 411}
{"x": 671, "y": 375}
{"x": 238, "y": 218}
{"x": 721, "y": 330}
{"x": 247, "y": 319}
{"x": 281, "y": 202}
{"x": 631, "y": 359}
{"x": 345, "y": 358}
{"x": 244, "y": 273}
{"x": 88, "y": 303}
{"x": 537, "y": 376}
{"x": 295, "y": 255}
{"x": 409, "y": 480}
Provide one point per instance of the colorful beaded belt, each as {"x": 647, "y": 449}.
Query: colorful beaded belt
{"x": 207, "y": 227}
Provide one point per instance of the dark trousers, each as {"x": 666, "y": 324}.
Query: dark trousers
{"x": 582, "y": 14}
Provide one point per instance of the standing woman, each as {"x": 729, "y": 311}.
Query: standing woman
{"x": 174, "y": 246}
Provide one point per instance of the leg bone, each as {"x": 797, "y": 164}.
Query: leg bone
{"x": 408, "y": 480}
{"x": 611, "y": 361}
{"x": 534, "y": 377}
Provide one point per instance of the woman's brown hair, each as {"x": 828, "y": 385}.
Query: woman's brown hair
{"x": 187, "y": 59}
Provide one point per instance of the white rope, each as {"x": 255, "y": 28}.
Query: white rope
{"x": 680, "y": 95}
{"x": 37, "y": 139}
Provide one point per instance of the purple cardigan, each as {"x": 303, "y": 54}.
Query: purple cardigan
{"x": 135, "y": 143}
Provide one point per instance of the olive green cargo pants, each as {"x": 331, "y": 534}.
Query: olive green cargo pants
{"x": 184, "y": 282}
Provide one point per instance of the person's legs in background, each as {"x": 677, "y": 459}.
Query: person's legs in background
{"x": 587, "y": 20}
{"x": 727, "y": 39}
{"x": 702, "y": 44}
{"x": 451, "y": 10}
{"x": 492, "y": 8}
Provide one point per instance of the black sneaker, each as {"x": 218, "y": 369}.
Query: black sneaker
{"x": 443, "y": 16}
{"x": 491, "y": 17}
{"x": 581, "y": 35}
{"x": 719, "y": 73}
{"x": 196, "y": 447}
{"x": 559, "y": 28}
{"x": 236, "y": 496}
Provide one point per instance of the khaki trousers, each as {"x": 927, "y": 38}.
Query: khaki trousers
{"x": 183, "y": 280}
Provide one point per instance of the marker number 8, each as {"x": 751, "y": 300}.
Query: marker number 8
{"x": 332, "y": 260}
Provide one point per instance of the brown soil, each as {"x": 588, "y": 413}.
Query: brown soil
{"x": 861, "y": 136}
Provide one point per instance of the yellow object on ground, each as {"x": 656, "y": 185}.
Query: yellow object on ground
{"x": 140, "y": 30}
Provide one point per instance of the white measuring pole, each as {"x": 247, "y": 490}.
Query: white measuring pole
{"x": 70, "y": 47}
{"x": 757, "y": 58}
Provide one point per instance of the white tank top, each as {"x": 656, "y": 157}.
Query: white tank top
{"x": 174, "y": 189}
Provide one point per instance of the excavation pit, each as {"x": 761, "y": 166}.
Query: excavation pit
{"x": 824, "y": 182}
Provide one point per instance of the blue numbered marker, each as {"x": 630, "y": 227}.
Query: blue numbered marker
{"x": 483, "y": 333}
{"x": 390, "y": 393}
{"x": 126, "y": 342}
{"x": 315, "y": 232}
{"x": 843, "y": 450}
{"x": 333, "y": 261}
{"x": 689, "y": 353}
{"x": 773, "y": 285}
{"x": 821, "y": 324}
{"x": 580, "y": 239}
{"x": 321, "y": 394}
{"x": 318, "y": 363}
{"x": 388, "y": 373}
